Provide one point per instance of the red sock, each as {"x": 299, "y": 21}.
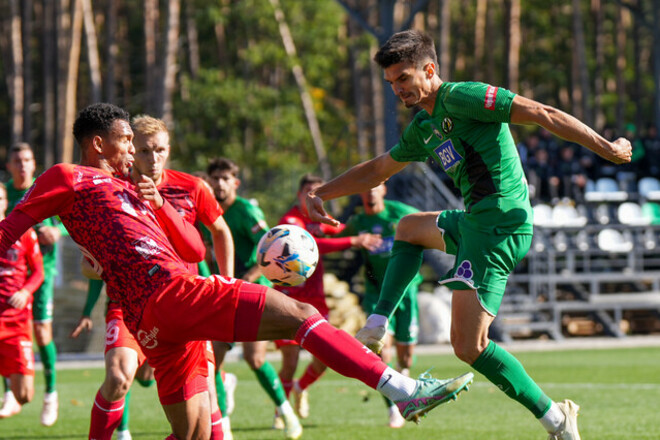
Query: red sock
{"x": 340, "y": 351}
{"x": 310, "y": 376}
{"x": 216, "y": 426}
{"x": 171, "y": 437}
{"x": 287, "y": 385}
{"x": 105, "y": 417}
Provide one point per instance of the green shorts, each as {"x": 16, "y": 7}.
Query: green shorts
{"x": 484, "y": 260}
{"x": 42, "y": 307}
{"x": 404, "y": 324}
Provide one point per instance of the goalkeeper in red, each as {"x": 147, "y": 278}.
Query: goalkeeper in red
{"x": 170, "y": 311}
{"x": 464, "y": 127}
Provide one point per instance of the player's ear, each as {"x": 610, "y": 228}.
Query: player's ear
{"x": 429, "y": 69}
{"x": 97, "y": 144}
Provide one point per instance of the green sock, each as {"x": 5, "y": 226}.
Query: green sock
{"x": 123, "y": 424}
{"x": 222, "y": 395}
{"x": 146, "y": 383}
{"x": 501, "y": 368}
{"x": 6, "y": 382}
{"x": 405, "y": 261}
{"x": 48, "y": 355}
{"x": 270, "y": 382}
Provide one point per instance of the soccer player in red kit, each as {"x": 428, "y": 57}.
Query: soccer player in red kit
{"x": 194, "y": 200}
{"x": 311, "y": 291}
{"x": 170, "y": 311}
{"x": 21, "y": 274}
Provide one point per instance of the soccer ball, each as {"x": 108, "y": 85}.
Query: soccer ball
{"x": 287, "y": 255}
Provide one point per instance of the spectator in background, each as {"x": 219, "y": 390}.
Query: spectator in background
{"x": 542, "y": 178}
{"x": 571, "y": 176}
{"x": 527, "y": 148}
{"x": 651, "y": 143}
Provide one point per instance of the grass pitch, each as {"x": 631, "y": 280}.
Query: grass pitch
{"x": 618, "y": 390}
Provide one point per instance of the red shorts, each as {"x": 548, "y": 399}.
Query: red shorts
{"x": 178, "y": 321}
{"x": 16, "y": 356}
{"x": 117, "y": 334}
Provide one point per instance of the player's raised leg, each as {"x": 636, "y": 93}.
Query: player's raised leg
{"x": 284, "y": 318}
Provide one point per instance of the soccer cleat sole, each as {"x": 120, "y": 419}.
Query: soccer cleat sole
{"x": 416, "y": 416}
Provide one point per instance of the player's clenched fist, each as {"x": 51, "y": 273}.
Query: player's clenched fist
{"x": 146, "y": 189}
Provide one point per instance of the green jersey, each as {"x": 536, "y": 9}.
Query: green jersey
{"x": 247, "y": 224}
{"x": 383, "y": 223}
{"x": 49, "y": 253}
{"x": 468, "y": 135}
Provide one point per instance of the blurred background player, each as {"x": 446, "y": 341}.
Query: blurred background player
{"x": 248, "y": 224}
{"x": 21, "y": 274}
{"x": 380, "y": 216}
{"x": 194, "y": 201}
{"x": 311, "y": 291}
{"x": 21, "y": 166}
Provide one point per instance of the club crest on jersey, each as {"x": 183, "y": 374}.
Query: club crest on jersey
{"x": 448, "y": 155}
{"x": 148, "y": 339}
{"x": 465, "y": 271}
{"x": 491, "y": 95}
{"x": 447, "y": 124}
{"x": 147, "y": 247}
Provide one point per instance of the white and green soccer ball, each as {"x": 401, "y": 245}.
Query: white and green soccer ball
{"x": 287, "y": 255}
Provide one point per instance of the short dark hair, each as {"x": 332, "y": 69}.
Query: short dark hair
{"x": 97, "y": 119}
{"x": 20, "y": 146}
{"x": 309, "y": 178}
{"x": 222, "y": 164}
{"x": 407, "y": 46}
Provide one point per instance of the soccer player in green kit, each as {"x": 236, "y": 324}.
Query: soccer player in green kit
{"x": 464, "y": 127}
{"x": 247, "y": 224}
{"x": 21, "y": 165}
{"x": 381, "y": 216}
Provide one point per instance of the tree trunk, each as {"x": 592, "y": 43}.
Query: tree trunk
{"x": 49, "y": 38}
{"x": 111, "y": 50}
{"x": 150, "y": 50}
{"x": 443, "y": 49}
{"x": 220, "y": 35}
{"x": 308, "y": 105}
{"x": 16, "y": 91}
{"x": 63, "y": 26}
{"x": 92, "y": 50}
{"x": 193, "y": 41}
{"x": 620, "y": 39}
{"x": 28, "y": 74}
{"x": 580, "y": 75}
{"x": 656, "y": 61}
{"x": 514, "y": 40}
{"x": 479, "y": 40}
{"x": 72, "y": 82}
{"x": 599, "y": 84}
{"x": 170, "y": 66}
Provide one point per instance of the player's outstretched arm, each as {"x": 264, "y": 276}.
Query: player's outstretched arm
{"x": 223, "y": 246}
{"x": 526, "y": 111}
{"x": 357, "y": 179}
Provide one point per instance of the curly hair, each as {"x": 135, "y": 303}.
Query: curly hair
{"x": 222, "y": 164}
{"x": 97, "y": 119}
{"x": 407, "y": 46}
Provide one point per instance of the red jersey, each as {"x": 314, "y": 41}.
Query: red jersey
{"x": 311, "y": 291}
{"x": 192, "y": 198}
{"x": 22, "y": 257}
{"x": 125, "y": 240}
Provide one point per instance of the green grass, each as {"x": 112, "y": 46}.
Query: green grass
{"x": 618, "y": 389}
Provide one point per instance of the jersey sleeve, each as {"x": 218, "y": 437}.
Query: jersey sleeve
{"x": 51, "y": 194}
{"x": 184, "y": 236}
{"x": 478, "y": 101}
{"x": 34, "y": 261}
{"x": 255, "y": 223}
{"x": 410, "y": 147}
{"x": 208, "y": 208}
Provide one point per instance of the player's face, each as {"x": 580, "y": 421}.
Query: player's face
{"x": 21, "y": 165}
{"x": 373, "y": 198}
{"x": 302, "y": 194}
{"x": 117, "y": 147}
{"x": 151, "y": 154}
{"x": 409, "y": 83}
{"x": 224, "y": 185}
